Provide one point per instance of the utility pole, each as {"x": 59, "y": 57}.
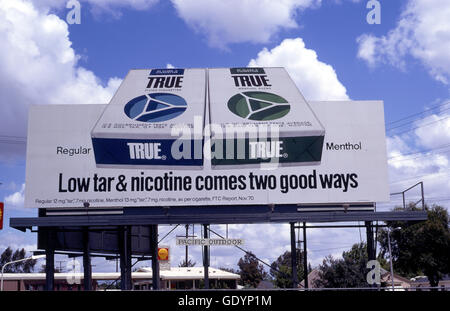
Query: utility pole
{"x": 60, "y": 267}
{"x": 390, "y": 259}
{"x": 186, "y": 258}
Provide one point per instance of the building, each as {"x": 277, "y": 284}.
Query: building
{"x": 186, "y": 278}
{"x": 313, "y": 276}
{"x": 175, "y": 278}
{"x": 36, "y": 281}
{"x": 400, "y": 283}
{"x": 422, "y": 283}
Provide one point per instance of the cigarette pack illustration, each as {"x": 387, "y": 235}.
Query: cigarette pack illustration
{"x": 155, "y": 120}
{"x": 264, "y": 119}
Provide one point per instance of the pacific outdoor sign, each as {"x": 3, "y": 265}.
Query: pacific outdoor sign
{"x": 223, "y": 136}
{"x": 208, "y": 242}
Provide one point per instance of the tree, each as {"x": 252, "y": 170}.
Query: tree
{"x": 350, "y": 271}
{"x": 8, "y": 255}
{"x": 231, "y": 270}
{"x": 420, "y": 247}
{"x": 282, "y": 271}
{"x": 189, "y": 263}
{"x": 57, "y": 270}
{"x": 251, "y": 271}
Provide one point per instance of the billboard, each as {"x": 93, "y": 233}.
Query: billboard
{"x": 239, "y": 140}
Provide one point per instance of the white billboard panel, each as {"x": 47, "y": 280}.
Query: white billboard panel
{"x": 62, "y": 170}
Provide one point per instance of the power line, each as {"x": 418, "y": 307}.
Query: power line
{"x": 251, "y": 254}
{"x": 328, "y": 249}
{"x": 415, "y": 120}
{"x": 423, "y": 151}
{"x": 168, "y": 233}
{"x": 420, "y": 126}
{"x": 420, "y": 113}
{"x": 421, "y": 156}
{"x": 446, "y": 172}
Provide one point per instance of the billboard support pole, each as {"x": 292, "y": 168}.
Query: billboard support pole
{"x": 293, "y": 257}
{"x": 50, "y": 261}
{"x": 305, "y": 257}
{"x": 371, "y": 252}
{"x": 87, "y": 260}
{"x": 206, "y": 257}
{"x": 125, "y": 258}
{"x": 370, "y": 241}
{"x": 154, "y": 254}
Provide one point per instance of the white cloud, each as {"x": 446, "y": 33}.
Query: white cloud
{"x": 423, "y": 32}
{"x": 39, "y": 66}
{"x": 315, "y": 79}
{"x": 434, "y": 131}
{"x": 16, "y": 199}
{"x": 111, "y": 6}
{"x": 134, "y": 4}
{"x": 234, "y": 21}
{"x": 366, "y": 50}
{"x": 408, "y": 166}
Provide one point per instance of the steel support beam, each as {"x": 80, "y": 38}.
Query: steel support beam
{"x": 125, "y": 258}
{"x": 175, "y": 215}
{"x": 371, "y": 250}
{"x": 87, "y": 281}
{"x": 370, "y": 241}
{"x": 154, "y": 254}
{"x": 50, "y": 261}
{"x": 293, "y": 257}
{"x": 206, "y": 257}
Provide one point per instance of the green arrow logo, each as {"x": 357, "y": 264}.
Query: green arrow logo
{"x": 259, "y": 106}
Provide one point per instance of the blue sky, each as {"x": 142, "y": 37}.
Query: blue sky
{"x": 111, "y": 46}
{"x": 327, "y": 46}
